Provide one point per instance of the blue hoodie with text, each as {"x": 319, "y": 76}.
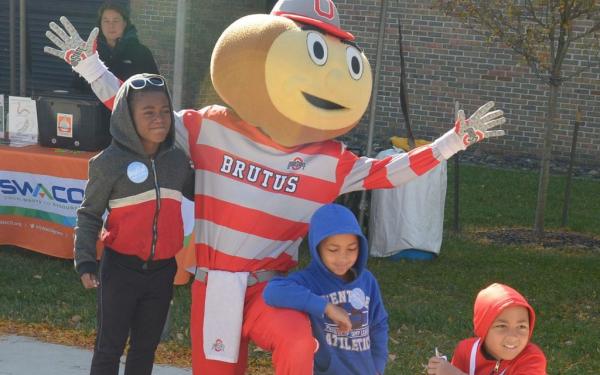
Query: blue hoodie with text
{"x": 363, "y": 351}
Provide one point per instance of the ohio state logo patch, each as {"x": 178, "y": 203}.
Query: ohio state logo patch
{"x": 296, "y": 164}
{"x": 325, "y": 13}
{"x": 218, "y": 346}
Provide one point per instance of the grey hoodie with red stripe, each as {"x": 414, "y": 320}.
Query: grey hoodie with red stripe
{"x": 142, "y": 194}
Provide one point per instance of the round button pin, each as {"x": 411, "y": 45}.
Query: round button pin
{"x": 137, "y": 172}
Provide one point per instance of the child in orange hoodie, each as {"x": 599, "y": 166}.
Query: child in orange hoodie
{"x": 503, "y": 322}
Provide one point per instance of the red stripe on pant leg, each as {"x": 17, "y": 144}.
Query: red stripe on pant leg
{"x": 422, "y": 160}
{"x": 285, "y": 332}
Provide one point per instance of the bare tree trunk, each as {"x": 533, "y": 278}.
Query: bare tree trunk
{"x": 545, "y": 163}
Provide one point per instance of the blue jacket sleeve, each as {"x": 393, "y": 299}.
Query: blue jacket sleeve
{"x": 378, "y": 331}
{"x": 292, "y": 292}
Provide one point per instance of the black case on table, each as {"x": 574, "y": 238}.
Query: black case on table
{"x": 90, "y": 121}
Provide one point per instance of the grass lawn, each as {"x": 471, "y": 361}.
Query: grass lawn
{"x": 430, "y": 304}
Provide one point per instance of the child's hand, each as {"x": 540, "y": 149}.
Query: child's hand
{"x": 89, "y": 280}
{"x": 339, "y": 316}
{"x": 439, "y": 366}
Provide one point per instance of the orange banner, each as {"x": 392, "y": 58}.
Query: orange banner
{"x": 51, "y": 239}
{"x": 46, "y": 161}
{"x": 40, "y": 191}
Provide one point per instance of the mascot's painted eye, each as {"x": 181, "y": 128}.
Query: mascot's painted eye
{"x": 317, "y": 48}
{"x": 355, "y": 63}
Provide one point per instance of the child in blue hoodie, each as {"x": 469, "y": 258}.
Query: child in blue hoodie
{"x": 340, "y": 295}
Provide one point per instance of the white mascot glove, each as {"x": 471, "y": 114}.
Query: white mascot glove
{"x": 471, "y": 130}
{"x": 80, "y": 54}
{"x": 475, "y": 128}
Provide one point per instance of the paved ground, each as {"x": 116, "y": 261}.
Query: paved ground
{"x": 26, "y": 356}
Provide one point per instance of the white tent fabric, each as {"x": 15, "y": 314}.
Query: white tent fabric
{"x": 410, "y": 216}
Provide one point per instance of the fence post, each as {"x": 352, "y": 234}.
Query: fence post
{"x": 456, "y": 157}
{"x": 567, "y": 200}
{"x": 456, "y": 220}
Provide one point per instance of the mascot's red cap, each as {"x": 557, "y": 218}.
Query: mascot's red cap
{"x": 319, "y": 13}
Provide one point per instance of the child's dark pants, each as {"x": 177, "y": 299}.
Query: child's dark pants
{"x": 131, "y": 299}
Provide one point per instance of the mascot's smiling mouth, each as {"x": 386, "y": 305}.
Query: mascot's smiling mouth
{"x": 321, "y": 103}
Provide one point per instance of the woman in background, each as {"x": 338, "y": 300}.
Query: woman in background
{"x": 121, "y": 51}
{"x": 118, "y": 46}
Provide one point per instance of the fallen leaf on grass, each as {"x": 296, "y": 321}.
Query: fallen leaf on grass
{"x": 48, "y": 333}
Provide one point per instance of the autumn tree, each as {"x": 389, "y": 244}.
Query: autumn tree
{"x": 543, "y": 33}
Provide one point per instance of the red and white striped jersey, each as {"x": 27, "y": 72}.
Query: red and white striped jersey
{"x": 254, "y": 198}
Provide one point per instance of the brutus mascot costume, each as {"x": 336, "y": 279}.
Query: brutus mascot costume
{"x": 293, "y": 81}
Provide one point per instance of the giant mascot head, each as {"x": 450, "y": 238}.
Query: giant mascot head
{"x": 294, "y": 74}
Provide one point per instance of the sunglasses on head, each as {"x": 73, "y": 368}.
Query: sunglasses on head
{"x": 140, "y": 83}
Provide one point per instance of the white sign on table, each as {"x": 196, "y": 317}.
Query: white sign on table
{"x": 22, "y": 121}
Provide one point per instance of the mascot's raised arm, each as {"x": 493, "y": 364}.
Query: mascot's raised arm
{"x": 293, "y": 80}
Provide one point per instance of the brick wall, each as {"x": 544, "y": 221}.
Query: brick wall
{"x": 445, "y": 62}
{"x": 155, "y": 21}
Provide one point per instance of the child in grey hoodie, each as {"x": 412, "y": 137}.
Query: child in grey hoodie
{"x": 140, "y": 179}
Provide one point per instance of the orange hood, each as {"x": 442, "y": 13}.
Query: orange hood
{"x": 491, "y": 301}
